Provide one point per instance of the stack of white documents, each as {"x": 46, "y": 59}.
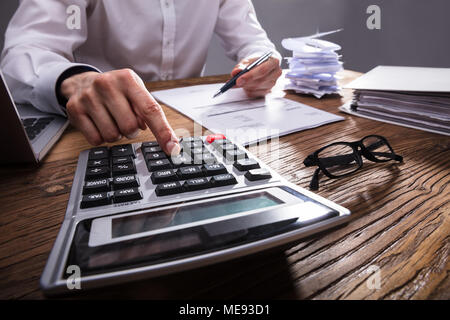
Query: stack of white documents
{"x": 314, "y": 65}
{"x": 409, "y": 96}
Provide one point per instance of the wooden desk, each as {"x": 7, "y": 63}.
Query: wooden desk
{"x": 400, "y": 222}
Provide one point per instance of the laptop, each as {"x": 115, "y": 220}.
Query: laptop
{"x": 26, "y": 134}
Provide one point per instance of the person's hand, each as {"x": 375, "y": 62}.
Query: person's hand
{"x": 107, "y": 106}
{"x": 259, "y": 81}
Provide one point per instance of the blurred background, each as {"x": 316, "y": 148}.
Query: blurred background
{"x": 413, "y": 32}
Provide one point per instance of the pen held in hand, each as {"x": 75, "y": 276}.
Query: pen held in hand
{"x": 232, "y": 82}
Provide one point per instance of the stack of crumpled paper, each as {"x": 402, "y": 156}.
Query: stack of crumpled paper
{"x": 314, "y": 65}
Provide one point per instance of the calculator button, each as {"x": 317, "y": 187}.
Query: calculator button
{"x": 98, "y": 153}
{"x": 123, "y": 150}
{"x": 194, "y": 151}
{"x": 246, "y": 164}
{"x": 214, "y": 169}
{"x": 125, "y": 168}
{"x": 181, "y": 160}
{"x": 234, "y": 155}
{"x": 98, "y": 163}
{"x": 124, "y": 195}
{"x": 168, "y": 188}
{"x": 95, "y": 200}
{"x": 190, "y": 172}
{"x": 192, "y": 144}
{"x": 122, "y": 160}
{"x": 206, "y": 157}
{"x": 223, "y": 180}
{"x": 97, "y": 173}
{"x": 155, "y": 156}
{"x": 158, "y": 165}
{"x": 96, "y": 186}
{"x": 258, "y": 174}
{"x": 152, "y": 149}
{"x": 149, "y": 144}
{"x": 213, "y": 137}
{"x": 126, "y": 181}
{"x": 226, "y": 147}
{"x": 196, "y": 184}
{"x": 162, "y": 176}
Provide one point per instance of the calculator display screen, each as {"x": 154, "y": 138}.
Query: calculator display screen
{"x": 191, "y": 213}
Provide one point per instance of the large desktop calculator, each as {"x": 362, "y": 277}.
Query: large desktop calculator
{"x": 136, "y": 213}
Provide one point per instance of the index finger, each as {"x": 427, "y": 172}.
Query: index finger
{"x": 151, "y": 112}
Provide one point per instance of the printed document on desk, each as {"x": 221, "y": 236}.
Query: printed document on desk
{"x": 244, "y": 120}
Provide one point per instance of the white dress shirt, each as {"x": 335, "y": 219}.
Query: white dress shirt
{"x": 158, "y": 39}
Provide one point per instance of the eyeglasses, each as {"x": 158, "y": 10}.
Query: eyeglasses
{"x": 341, "y": 159}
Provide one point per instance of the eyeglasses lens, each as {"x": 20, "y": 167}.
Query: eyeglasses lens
{"x": 378, "y": 148}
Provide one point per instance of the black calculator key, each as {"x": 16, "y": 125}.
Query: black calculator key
{"x": 95, "y": 200}
{"x": 258, "y": 174}
{"x": 123, "y": 150}
{"x": 98, "y": 153}
{"x": 214, "y": 169}
{"x": 225, "y": 179}
{"x": 122, "y": 160}
{"x": 246, "y": 164}
{"x": 192, "y": 144}
{"x": 159, "y": 165}
{"x": 126, "y": 181}
{"x": 97, "y": 173}
{"x": 129, "y": 194}
{"x": 149, "y": 144}
{"x": 190, "y": 172}
{"x": 197, "y": 184}
{"x": 204, "y": 158}
{"x": 168, "y": 188}
{"x": 98, "y": 163}
{"x": 155, "y": 156}
{"x": 194, "y": 151}
{"x": 152, "y": 149}
{"x": 234, "y": 155}
{"x": 162, "y": 176}
{"x": 181, "y": 160}
{"x": 96, "y": 186}
{"x": 124, "y": 168}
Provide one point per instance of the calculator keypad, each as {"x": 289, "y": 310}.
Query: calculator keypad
{"x": 116, "y": 175}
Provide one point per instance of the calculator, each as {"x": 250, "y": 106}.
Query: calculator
{"x": 136, "y": 213}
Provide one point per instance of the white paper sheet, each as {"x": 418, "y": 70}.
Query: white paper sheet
{"x": 242, "y": 120}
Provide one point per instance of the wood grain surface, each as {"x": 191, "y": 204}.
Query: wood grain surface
{"x": 400, "y": 224}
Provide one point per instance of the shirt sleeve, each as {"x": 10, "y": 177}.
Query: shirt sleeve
{"x": 39, "y": 46}
{"x": 240, "y": 32}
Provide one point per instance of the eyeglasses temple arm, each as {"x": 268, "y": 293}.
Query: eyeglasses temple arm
{"x": 314, "y": 184}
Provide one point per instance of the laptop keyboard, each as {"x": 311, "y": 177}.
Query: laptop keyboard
{"x": 34, "y": 126}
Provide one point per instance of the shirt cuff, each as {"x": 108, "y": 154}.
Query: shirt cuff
{"x": 45, "y": 93}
